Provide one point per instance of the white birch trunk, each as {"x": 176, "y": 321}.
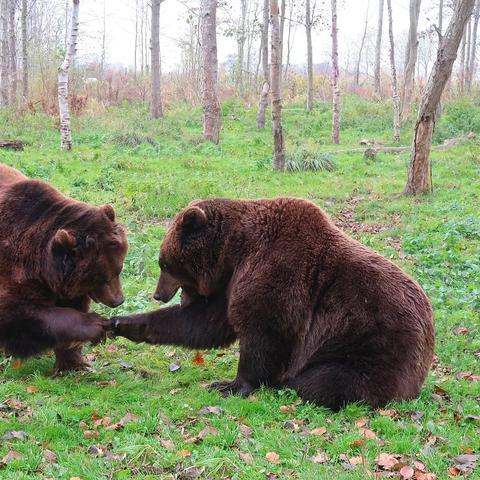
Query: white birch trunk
{"x": 4, "y": 100}
{"x": 211, "y": 104}
{"x": 65, "y": 130}
{"x": 156, "y": 106}
{"x": 335, "y": 75}
{"x": 24, "y": 51}
{"x": 308, "y": 31}
{"x": 419, "y": 172}
{"x": 473, "y": 49}
{"x": 395, "y": 96}
{"x": 378, "y": 51}
{"x": 12, "y": 50}
{"x": 266, "y": 74}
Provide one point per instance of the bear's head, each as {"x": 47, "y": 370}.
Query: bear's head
{"x": 86, "y": 257}
{"x": 191, "y": 254}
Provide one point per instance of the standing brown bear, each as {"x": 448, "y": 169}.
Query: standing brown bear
{"x": 56, "y": 254}
{"x": 313, "y": 309}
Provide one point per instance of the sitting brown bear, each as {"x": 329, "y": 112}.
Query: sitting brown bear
{"x": 313, "y": 309}
{"x": 56, "y": 254}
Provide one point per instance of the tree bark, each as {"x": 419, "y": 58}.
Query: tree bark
{"x": 467, "y": 52}
{"x": 211, "y": 104}
{"x": 12, "y": 50}
{"x": 156, "y": 106}
{"x": 473, "y": 49}
{"x": 63, "y": 108}
{"x": 308, "y": 30}
{"x": 283, "y": 7}
{"x": 4, "y": 62}
{"x": 289, "y": 36}
{"x": 395, "y": 97}
{"x": 378, "y": 51}
{"x": 410, "y": 59}
{"x": 266, "y": 74}
{"x": 24, "y": 51}
{"x": 356, "y": 78}
{"x": 461, "y": 79}
{"x": 275, "y": 74}
{"x": 420, "y": 173}
{"x": 440, "y": 18}
{"x": 335, "y": 75}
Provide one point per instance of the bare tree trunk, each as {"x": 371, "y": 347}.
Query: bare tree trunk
{"x": 65, "y": 130}
{"x": 467, "y": 53}
{"x": 335, "y": 75}
{"x": 419, "y": 173}
{"x": 4, "y": 62}
{"x": 12, "y": 50}
{"x": 266, "y": 76}
{"x": 283, "y": 6}
{"x": 241, "y": 47}
{"x": 461, "y": 79}
{"x": 136, "y": 41}
{"x": 395, "y": 97}
{"x": 275, "y": 74}
{"x": 440, "y": 18}
{"x": 211, "y": 104}
{"x": 308, "y": 30}
{"x": 104, "y": 39}
{"x": 24, "y": 51}
{"x": 410, "y": 59}
{"x": 356, "y": 78}
{"x": 289, "y": 36}
{"x": 156, "y": 106}
{"x": 473, "y": 49}
{"x": 378, "y": 51}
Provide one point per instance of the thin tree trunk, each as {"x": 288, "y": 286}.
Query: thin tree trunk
{"x": 283, "y": 6}
{"x": 440, "y": 17}
{"x": 4, "y": 62}
{"x": 275, "y": 74}
{"x": 335, "y": 75}
{"x": 395, "y": 97}
{"x": 104, "y": 39}
{"x": 356, "y": 78}
{"x": 467, "y": 53}
{"x": 241, "y": 47}
{"x": 211, "y": 104}
{"x": 308, "y": 30}
{"x": 65, "y": 130}
{"x": 378, "y": 51}
{"x": 410, "y": 59}
{"x": 419, "y": 173}
{"x": 12, "y": 50}
{"x": 289, "y": 46}
{"x": 266, "y": 75}
{"x": 156, "y": 106}
{"x": 473, "y": 50}
{"x": 462, "y": 61}
{"x": 136, "y": 41}
{"x": 24, "y": 51}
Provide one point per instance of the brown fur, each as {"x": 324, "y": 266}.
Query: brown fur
{"x": 56, "y": 254}
{"x": 313, "y": 309}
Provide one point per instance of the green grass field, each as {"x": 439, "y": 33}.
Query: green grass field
{"x": 149, "y": 170}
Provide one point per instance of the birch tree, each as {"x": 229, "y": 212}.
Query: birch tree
{"x": 410, "y": 59}
{"x": 356, "y": 78}
{"x": 419, "y": 172}
{"x": 241, "y": 37}
{"x": 395, "y": 96}
{"x": 275, "y": 76}
{"x": 12, "y": 50}
{"x": 266, "y": 74}
{"x": 473, "y": 48}
{"x": 308, "y": 30}
{"x": 378, "y": 51}
{"x": 156, "y": 102}
{"x": 335, "y": 75}
{"x": 24, "y": 51}
{"x": 208, "y": 39}
{"x": 65, "y": 130}
{"x": 4, "y": 62}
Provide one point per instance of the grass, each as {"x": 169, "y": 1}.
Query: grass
{"x": 149, "y": 170}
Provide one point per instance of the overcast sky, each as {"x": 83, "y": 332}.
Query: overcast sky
{"x": 121, "y": 29}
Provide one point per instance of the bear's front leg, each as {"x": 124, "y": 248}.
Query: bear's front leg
{"x": 69, "y": 358}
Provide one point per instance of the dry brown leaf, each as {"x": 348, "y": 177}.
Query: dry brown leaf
{"x": 184, "y": 453}
{"x": 247, "y": 432}
{"x": 273, "y": 457}
{"x": 367, "y": 433}
{"x": 358, "y": 443}
{"x": 388, "y": 413}
{"x": 90, "y": 434}
{"x": 129, "y": 417}
{"x": 246, "y": 458}
{"x": 386, "y": 461}
{"x": 355, "y": 460}
{"x": 198, "y": 359}
{"x": 406, "y": 472}
{"x": 361, "y": 422}
{"x": 207, "y": 431}
{"x": 288, "y": 408}
{"x": 454, "y": 472}
{"x": 32, "y": 389}
{"x": 49, "y": 456}
{"x": 11, "y": 455}
{"x": 17, "y": 363}
{"x": 424, "y": 476}
{"x": 318, "y": 431}
{"x": 167, "y": 444}
{"x": 319, "y": 457}
{"x": 460, "y": 330}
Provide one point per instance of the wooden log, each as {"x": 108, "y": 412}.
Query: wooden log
{"x": 12, "y": 144}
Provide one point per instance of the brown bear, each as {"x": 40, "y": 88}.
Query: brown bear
{"x": 56, "y": 254}
{"x": 313, "y": 309}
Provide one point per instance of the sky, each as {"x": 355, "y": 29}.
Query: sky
{"x": 120, "y": 27}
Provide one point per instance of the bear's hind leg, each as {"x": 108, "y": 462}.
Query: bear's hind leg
{"x": 334, "y": 385}
{"x": 69, "y": 358}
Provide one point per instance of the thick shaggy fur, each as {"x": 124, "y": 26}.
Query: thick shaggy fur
{"x": 313, "y": 309}
{"x": 56, "y": 254}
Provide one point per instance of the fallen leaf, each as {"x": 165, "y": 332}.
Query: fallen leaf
{"x": 291, "y": 425}
{"x": 247, "y": 432}
{"x": 319, "y": 457}
{"x": 11, "y": 455}
{"x": 361, "y": 422}
{"x": 173, "y": 367}
{"x": 419, "y": 466}
{"x": 386, "y": 461}
{"x": 466, "y": 463}
{"x": 75, "y": 478}
{"x": 356, "y": 460}
{"x": 82, "y": 424}
{"x": 17, "y": 363}
{"x": 425, "y": 476}
{"x": 49, "y": 456}
{"x": 460, "y": 331}
{"x": 15, "y": 435}
{"x": 184, "y": 453}
{"x": 31, "y": 389}
{"x": 90, "y": 434}
{"x": 129, "y": 417}
{"x": 198, "y": 359}
{"x": 246, "y": 458}
{"x": 407, "y": 472}
{"x": 416, "y": 415}
{"x": 318, "y": 431}
{"x": 367, "y": 433}
{"x": 167, "y": 444}
{"x": 388, "y": 413}
{"x": 273, "y": 457}
{"x": 103, "y": 422}
{"x": 288, "y": 409}
{"x": 215, "y": 409}
{"x": 358, "y": 443}
{"x": 454, "y": 472}
{"x": 207, "y": 431}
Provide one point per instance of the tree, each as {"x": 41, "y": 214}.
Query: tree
{"x": 266, "y": 75}
{"x": 12, "y": 50}
{"x": 308, "y": 30}
{"x": 211, "y": 104}
{"x": 65, "y": 130}
{"x": 335, "y": 75}
{"x": 410, "y": 58}
{"x": 275, "y": 76}
{"x": 24, "y": 51}
{"x": 378, "y": 51}
{"x": 473, "y": 48}
{"x": 420, "y": 173}
{"x": 356, "y": 78}
{"x": 156, "y": 106}
{"x": 4, "y": 61}
{"x": 395, "y": 97}
{"x": 241, "y": 37}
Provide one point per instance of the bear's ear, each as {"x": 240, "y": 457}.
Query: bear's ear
{"x": 193, "y": 219}
{"x": 64, "y": 239}
{"x": 108, "y": 211}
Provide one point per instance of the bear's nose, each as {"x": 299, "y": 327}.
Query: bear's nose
{"x": 117, "y": 302}
{"x": 157, "y": 297}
